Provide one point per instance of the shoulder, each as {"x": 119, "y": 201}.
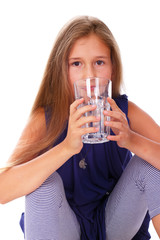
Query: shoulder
{"x": 135, "y": 112}
{"x": 132, "y": 107}
{"x": 142, "y": 123}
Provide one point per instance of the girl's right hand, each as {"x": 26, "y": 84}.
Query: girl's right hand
{"x": 73, "y": 140}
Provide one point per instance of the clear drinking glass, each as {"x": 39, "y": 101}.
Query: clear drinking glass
{"x": 95, "y": 91}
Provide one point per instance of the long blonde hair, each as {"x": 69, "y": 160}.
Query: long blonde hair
{"x": 55, "y": 91}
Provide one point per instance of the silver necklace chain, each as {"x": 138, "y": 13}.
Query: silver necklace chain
{"x": 82, "y": 162}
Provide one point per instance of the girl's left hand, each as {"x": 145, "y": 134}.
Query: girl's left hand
{"x": 119, "y": 125}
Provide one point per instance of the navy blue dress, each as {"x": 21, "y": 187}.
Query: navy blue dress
{"x": 87, "y": 190}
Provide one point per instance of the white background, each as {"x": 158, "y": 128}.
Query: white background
{"x": 27, "y": 32}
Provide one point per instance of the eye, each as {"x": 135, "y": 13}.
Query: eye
{"x": 100, "y": 62}
{"x": 76, "y": 64}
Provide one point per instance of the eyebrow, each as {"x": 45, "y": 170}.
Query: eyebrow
{"x": 74, "y": 58}
{"x": 77, "y": 58}
{"x": 102, "y": 57}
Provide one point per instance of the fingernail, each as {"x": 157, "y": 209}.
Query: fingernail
{"x": 106, "y": 112}
{"x": 98, "y": 117}
{"x": 93, "y": 106}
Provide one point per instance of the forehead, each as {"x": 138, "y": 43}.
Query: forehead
{"x": 89, "y": 43}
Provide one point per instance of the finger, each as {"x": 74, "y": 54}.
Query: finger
{"x": 75, "y": 104}
{"x": 84, "y": 120}
{"x": 113, "y": 104}
{"x": 82, "y": 110}
{"x": 116, "y": 115}
{"x": 113, "y": 138}
{"x": 84, "y": 130}
{"x": 117, "y": 125}
{"x": 89, "y": 130}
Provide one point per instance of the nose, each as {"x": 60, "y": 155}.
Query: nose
{"x": 89, "y": 71}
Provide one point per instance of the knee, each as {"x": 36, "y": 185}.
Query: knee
{"x": 136, "y": 168}
{"x": 137, "y": 165}
{"x": 143, "y": 172}
{"x": 42, "y": 209}
{"x": 51, "y": 192}
{"x": 53, "y": 183}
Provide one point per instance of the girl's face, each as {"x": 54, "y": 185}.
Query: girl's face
{"x": 89, "y": 57}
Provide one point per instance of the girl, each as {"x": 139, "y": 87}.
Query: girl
{"x": 63, "y": 199}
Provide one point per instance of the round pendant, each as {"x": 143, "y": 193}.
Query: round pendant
{"x": 82, "y": 163}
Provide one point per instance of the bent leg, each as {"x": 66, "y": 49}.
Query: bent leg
{"x": 153, "y": 196}
{"x": 127, "y": 204}
{"x": 48, "y": 214}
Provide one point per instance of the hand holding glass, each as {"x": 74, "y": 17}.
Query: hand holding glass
{"x": 95, "y": 91}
